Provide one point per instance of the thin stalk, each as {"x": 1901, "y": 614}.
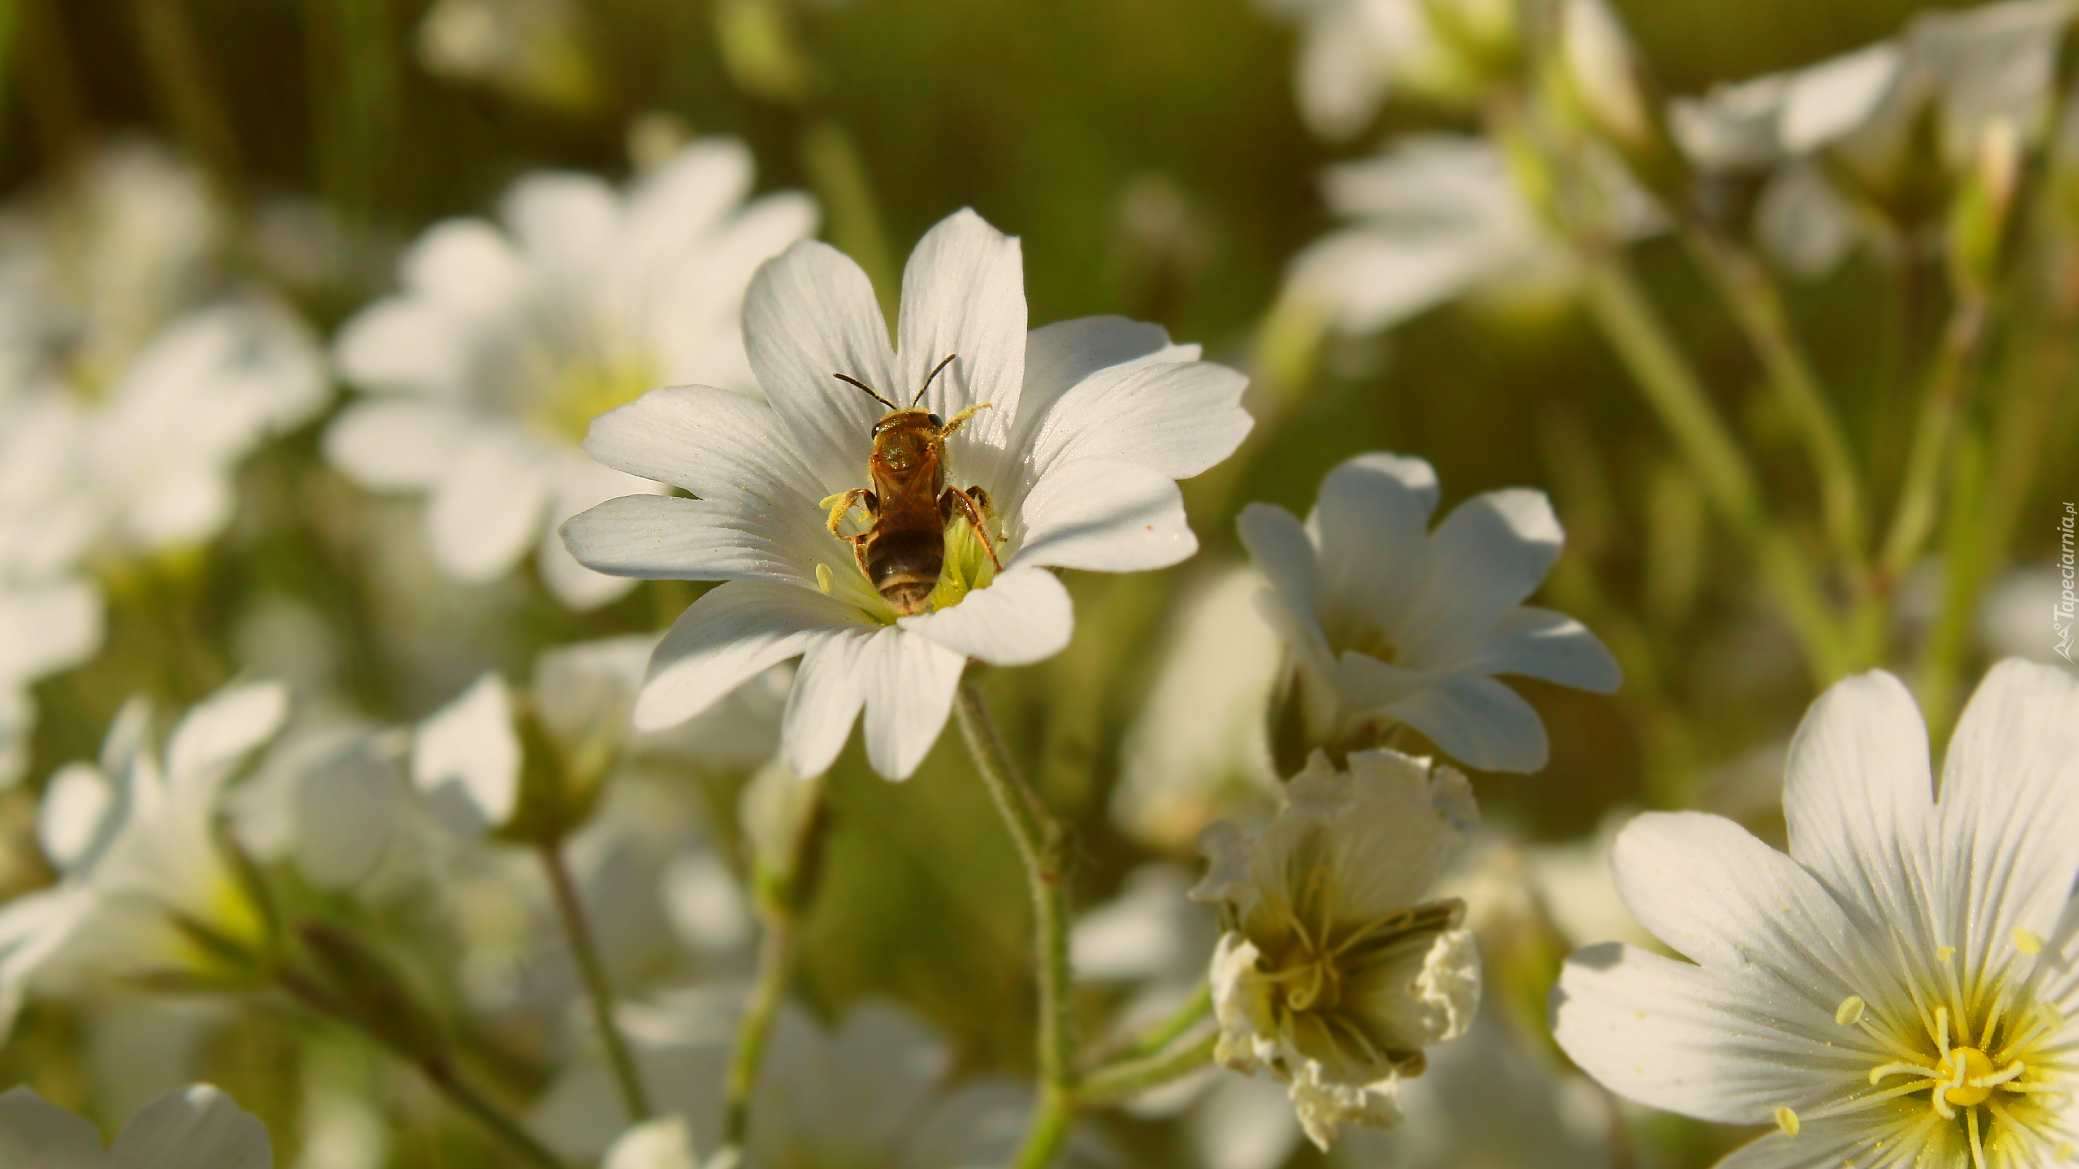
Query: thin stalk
{"x": 175, "y": 58}
{"x": 1042, "y": 846}
{"x": 1129, "y": 1078}
{"x": 599, "y": 992}
{"x": 434, "y": 1067}
{"x": 1744, "y": 284}
{"x": 1934, "y": 434}
{"x": 761, "y": 1009}
{"x": 1166, "y": 1031}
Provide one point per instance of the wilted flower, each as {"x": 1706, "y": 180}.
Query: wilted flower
{"x": 146, "y": 888}
{"x": 1899, "y": 988}
{"x": 1439, "y": 216}
{"x": 1354, "y": 52}
{"x": 195, "y": 1128}
{"x": 1389, "y": 622}
{"x": 506, "y": 341}
{"x": 1334, "y": 972}
{"x": 1075, "y": 432}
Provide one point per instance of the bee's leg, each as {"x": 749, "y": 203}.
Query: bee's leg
{"x": 859, "y": 554}
{"x": 842, "y": 502}
{"x": 965, "y": 501}
{"x": 959, "y": 420}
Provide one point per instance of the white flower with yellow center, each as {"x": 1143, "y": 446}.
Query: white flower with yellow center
{"x": 145, "y": 888}
{"x": 1899, "y": 989}
{"x": 1334, "y": 972}
{"x": 1390, "y": 622}
{"x": 1071, "y": 441}
{"x": 1354, "y": 52}
{"x": 506, "y": 341}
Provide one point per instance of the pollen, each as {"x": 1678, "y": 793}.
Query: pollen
{"x": 1787, "y": 1121}
{"x": 1969, "y": 1074}
{"x": 1849, "y": 1013}
{"x": 2027, "y": 942}
{"x": 824, "y": 579}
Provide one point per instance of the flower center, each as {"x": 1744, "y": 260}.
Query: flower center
{"x": 586, "y": 390}
{"x": 1372, "y": 642}
{"x": 1969, "y": 1074}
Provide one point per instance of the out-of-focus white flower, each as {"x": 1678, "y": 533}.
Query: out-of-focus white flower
{"x": 1602, "y": 73}
{"x": 1334, "y": 973}
{"x": 1900, "y": 988}
{"x": 1437, "y": 217}
{"x": 1199, "y": 748}
{"x": 1088, "y": 425}
{"x": 145, "y": 888}
{"x": 1354, "y": 52}
{"x": 506, "y": 341}
{"x": 43, "y": 629}
{"x": 196, "y": 1128}
{"x": 1577, "y": 890}
{"x": 530, "y": 49}
{"x": 1390, "y": 622}
{"x": 2027, "y": 614}
{"x": 654, "y": 1144}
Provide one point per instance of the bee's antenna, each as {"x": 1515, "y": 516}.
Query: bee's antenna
{"x": 870, "y": 392}
{"x": 927, "y": 379}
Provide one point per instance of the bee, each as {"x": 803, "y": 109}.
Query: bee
{"x": 909, "y": 505}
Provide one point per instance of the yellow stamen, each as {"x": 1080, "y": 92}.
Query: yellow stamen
{"x": 1787, "y": 1121}
{"x": 824, "y": 579}
{"x": 1849, "y": 1013}
{"x": 1968, "y": 1077}
{"x": 2027, "y": 942}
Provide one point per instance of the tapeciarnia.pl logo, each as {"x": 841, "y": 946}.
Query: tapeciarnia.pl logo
{"x": 2061, "y": 620}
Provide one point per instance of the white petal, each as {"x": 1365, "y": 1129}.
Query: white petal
{"x": 74, "y": 818}
{"x": 1710, "y": 890}
{"x": 196, "y": 1128}
{"x": 344, "y": 813}
{"x": 1845, "y": 1140}
{"x": 1476, "y": 720}
{"x": 1490, "y": 553}
{"x": 657, "y": 1144}
{"x": 1539, "y": 643}
{"x": 1060, "y": 356}
{"x": 909, "y": 682}
{"x": 1285, "y": 555}
{"x": 465, "y": 758}
{"x": 668, "y": 538}
{"x": 36, "y": 1134}
{"x": 1677, "y": 1037}
{"x": 1372, "y": 521}
{"x": 963, "y": 291}
{"x": 733, "y": 631}
{"x": 810, "y": 314}
{"x": 1023, "y": 616}
{"x": 579, "y": 588}
{"x": 1859, "y": 800}
{"x": 412, "y": 347}
{"x": 394, "y": 443}
{"x": 690, "y": 193}
{"x": 217, "y": 735}
{"x": 564, "y": 223}
{"x": 2009, "y": 807}
{"x": 487, "y": 508}
{"x": 46, "y": 629}
{"x": 1178, "y": 418}
{"x": 1835, "y": 98}
{"x": 829, "y": 692}
{"x": 466, "y": 266}
{"x": 713, "y": 443}
{"x": 1106, "y": 516}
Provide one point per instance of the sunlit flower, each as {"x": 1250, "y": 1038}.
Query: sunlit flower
{"x": 1334, "y": 973}
{"x": 1390, "y": 622}
{"x": 1199, "y": 748}
{"x": 1439, "y": 216}
{"x": 195, "y": 1128}
{"x": 1075, "y": 433}
{"x": 530, "y": 49}
{"x": 1899, "y": 989}
{"x": 145, "y": 887}
{"x": 1353, "y": 53}
{"x": 507, "y": 340}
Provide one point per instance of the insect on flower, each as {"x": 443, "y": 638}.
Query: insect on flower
{"x": 909, "y": 505}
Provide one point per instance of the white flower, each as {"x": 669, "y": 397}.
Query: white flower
{"x": 531, "y": 49}
{"x": 43, "y": 629}
{"x": 1354, "y": 51}
{"x": 1199, "y": 747}
{"x": 145, "y": 888}
{"x": 1897, "y": 990}
{"x": 1334, "y": 973}
{"x": 505, "y": 341}
{"x": 196, "y": 1128}
{"x": 2027, "y": 613}
{"x": 1438, "y": 216}
{"x": 1390, "y": 622}
{"x": 1088, "y": 423}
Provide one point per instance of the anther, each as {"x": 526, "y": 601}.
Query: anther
{"x": 1849, "y": 1013}
{"x": 2027, "y": 942}
{"x": 824, "y": 580}
{"x": 1944, "y": 954}
{"x": 1787, "y": 1121}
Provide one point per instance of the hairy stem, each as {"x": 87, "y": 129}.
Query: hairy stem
{"x": 598, "y": 991}
{"x": 1042, "y": 846}
{"x": 435, "y": 1067}
{"x": 1166, "y": 1031}
{"x": 761, "y": 1009}
{"x": 1130, "y": 1077}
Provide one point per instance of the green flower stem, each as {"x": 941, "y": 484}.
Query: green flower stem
{"x": 435, "y": 1067}
{"x": 1130, "y": 1077}
{"x": 1744, "y": 284}
{"x": 1167, "y": 1031}
{"x": 1677, "y": 395}
{"x": 1042, "y": 846}
{"x": 1934, "y": 435}
{"x": 838, "y": 176}
{"x": 761, "y": 1009}
{"x": 598, "y": 991}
